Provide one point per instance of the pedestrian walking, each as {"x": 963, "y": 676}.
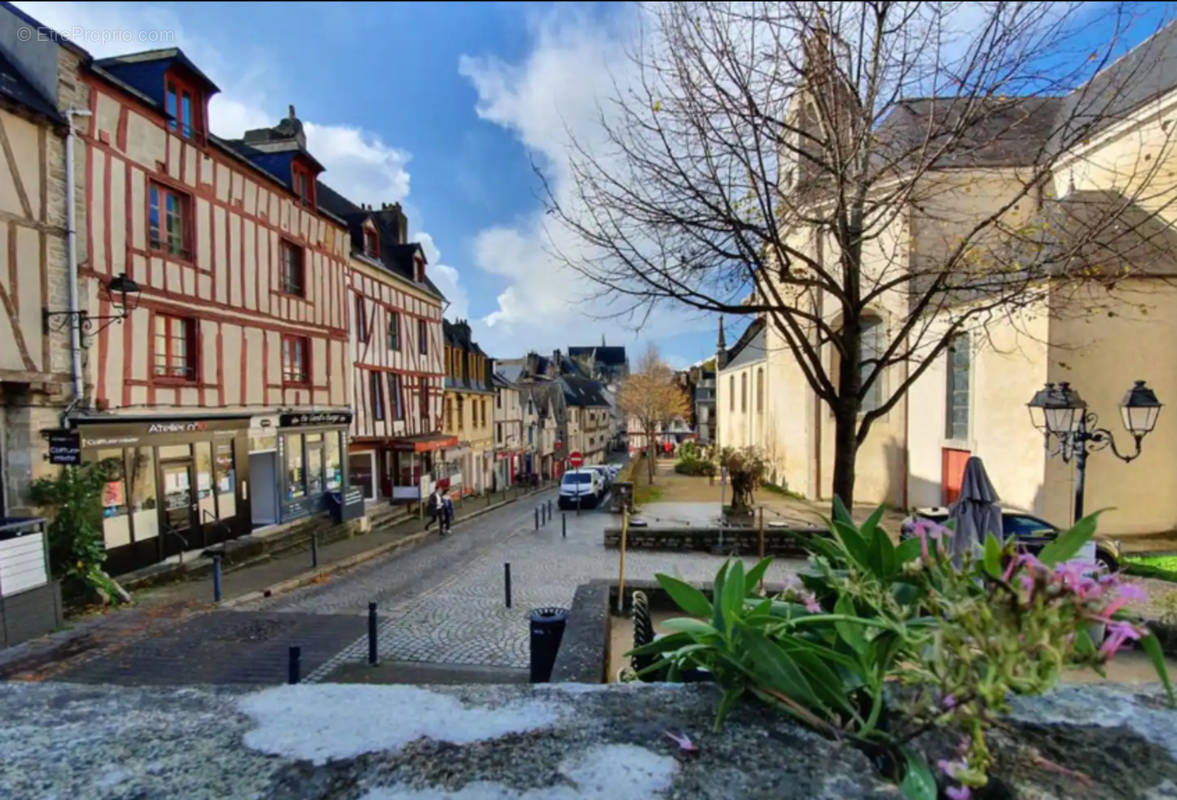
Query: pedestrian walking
{"x": 434, "y": 507}
{"x": 448, "y": 513}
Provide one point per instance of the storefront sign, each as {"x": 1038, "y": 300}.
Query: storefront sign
{"x": 117, "y": 433}
{"x": 309, "y": 419}
{"x": 65, "y": 447}
{"x": 349, "y": 505}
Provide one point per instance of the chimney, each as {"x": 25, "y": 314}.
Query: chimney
{"x": 394, "y": 217}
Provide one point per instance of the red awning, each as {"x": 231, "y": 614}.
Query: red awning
{"x": 424, "y": 443}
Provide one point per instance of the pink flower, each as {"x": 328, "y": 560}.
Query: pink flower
{"x": 951, "y": 768}
{"x": 1125, "y": 593}
{"x": 1027, "y": 582}
{"x": 958, "y": 793}
{"x": 811, "y": 604}
{"x": 948, "y": 701}
{"x": 1118, "y": 633}
{"x": 683, "y": 741}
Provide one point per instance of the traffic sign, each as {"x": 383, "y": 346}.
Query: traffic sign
{"x": 575, "y": 458}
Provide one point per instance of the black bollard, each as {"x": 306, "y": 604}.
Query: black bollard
{"x": 294, "y": 664}
{"x": 314, "y": 550}
{"x": 537, "y": 518}
{"x": 216, "y": 579}
{"x": 564, "y": 526}
{"x": 371, "y": 633}
{"x": 549, "y": 508}
{"x": 507, "y": 582}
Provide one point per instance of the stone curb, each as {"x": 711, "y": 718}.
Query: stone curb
{"x": 409, "y": 542}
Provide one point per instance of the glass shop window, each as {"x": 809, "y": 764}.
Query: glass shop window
{"x": 144, "y": 511}
{"x": 314, "y": 444}
{"x": 333, "y": 463}
{"x": 295, "y": 475}
{"x": 116, "y": 521}
{"x": 226, "y": 480}
{"x": 204, "y": 482}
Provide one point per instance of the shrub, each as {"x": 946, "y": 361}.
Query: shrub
{"x": 867, "y": 615}
{"x": 76, "y": 548}
{"x": 694, "y": 467}
{"x": 745, "y": 471}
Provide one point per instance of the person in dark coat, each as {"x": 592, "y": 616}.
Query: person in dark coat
{"x": 447, "y": 510}
{"x": 434, "y": 507}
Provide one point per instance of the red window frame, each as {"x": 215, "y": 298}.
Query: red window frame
{"x": 296, "y": 360}
{"x": 377, "y": 394}
{"x": 361, "y": 319}
{"x": 175, "y": 367}
{"x": 157, "y": 227}
{"x": 174, "y": 89}
{"x": 302, "y": 183}
{"x": 371, "y": 243}
{"x": 422, "y": 338}
{"x": 291, "y": 264}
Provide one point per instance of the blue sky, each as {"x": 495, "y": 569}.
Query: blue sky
{"x": 443, "y": 107}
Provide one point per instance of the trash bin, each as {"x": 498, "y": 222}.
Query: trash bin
{"x": 547, "y": 629}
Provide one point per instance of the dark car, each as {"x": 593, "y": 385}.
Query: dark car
{"x": 1031, "y": 532}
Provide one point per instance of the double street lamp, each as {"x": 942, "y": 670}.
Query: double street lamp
{"x": 1059, "y": 412}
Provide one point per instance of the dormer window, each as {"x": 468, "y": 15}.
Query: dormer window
{"x": 371, "y": 243}
{"x": 303, "y": 183}
{"x": 185, "y": 108}
{"x": 419, "y": 269}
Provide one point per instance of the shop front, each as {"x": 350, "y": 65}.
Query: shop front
{"x": 416, "y": 462}
{"x": 309, "y": 450}
{"x": 172, "y": 484}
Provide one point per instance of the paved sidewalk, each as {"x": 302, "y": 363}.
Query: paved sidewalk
{"x": 293, "y": 567}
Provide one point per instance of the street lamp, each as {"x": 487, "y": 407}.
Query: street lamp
{"x": 121, "y": 292}
{"x": 1059, "y": 412}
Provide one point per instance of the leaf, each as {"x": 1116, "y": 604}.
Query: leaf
{"x": 691, "y": 626}
{"x": 752, "y": 579}
{"x": 883, "y": 554}
{"x": 1068, "y": 543}
{"x": 1157, "y": 656}
{"x": 717, "y": 617}
{"x": 773, "y": 666}
{"x": 871, "y": 526}
{"x": 854, "y": 544}
{"x": 850, "y": 632}
{"x": 733, "y": 593}
{"x": 908, "y": 550}
{"x": 687, "y": 597}
{"x": 992, "y": 556}
{"x": 841, "y": 513}
{"x": 730, "y": 696}
{"x": 918, "y": 782}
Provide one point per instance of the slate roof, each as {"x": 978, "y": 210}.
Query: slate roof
{"x": 614, "y": 356}
{"x": 750, "y": 347}
{"x": 458, "y": 335}
{"x": 582, "y": 391}
{"x": 175, "y": 54}
{"x": 395, "y": 257}
{"x": 17, "y": 89}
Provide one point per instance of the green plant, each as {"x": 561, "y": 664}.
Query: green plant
{"x": 1161, "y": 567}
{"x": 694, "y": 467}
{"x": 76, "y": 549}
{"x": 868, "y": 615}
{"x": 781, "y": 490}
{"x": 688, "y": 451}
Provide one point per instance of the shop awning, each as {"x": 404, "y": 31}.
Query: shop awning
{"x": 424, "y": 443}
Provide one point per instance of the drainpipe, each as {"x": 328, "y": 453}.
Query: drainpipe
{"x": 71, "y": 250}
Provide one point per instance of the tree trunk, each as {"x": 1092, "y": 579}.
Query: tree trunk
{"x": 651, "y": 453}
{"x": 845, "y": 450}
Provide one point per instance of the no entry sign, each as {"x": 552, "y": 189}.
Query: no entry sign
{"x": 575, "y": 458}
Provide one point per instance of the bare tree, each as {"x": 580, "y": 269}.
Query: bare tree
{"x": 651, "y": 396}
{"x": 874, "y": 178}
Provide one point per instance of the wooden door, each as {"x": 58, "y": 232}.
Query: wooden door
{"x": 952, "y": 473}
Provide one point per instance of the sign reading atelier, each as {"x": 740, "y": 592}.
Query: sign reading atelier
{"x": 65, "y": 447}
{"x": 307, "y": 420}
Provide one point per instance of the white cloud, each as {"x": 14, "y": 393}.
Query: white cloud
{"x": 446, "y": 278}
{"x": 359, "y": 163}
{"x": 553, "y": 94}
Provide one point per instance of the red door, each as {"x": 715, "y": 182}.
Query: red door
{"x": 952, "y": 473}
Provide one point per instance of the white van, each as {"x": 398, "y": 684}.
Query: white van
{"x": 581, "y": 487}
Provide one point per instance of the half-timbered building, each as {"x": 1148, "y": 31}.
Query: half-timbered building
{"x": 224, "y": 394}
{"x": 395, "y": 350}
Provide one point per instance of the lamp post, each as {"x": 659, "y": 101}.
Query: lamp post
{"x": 1059, "y": 412}
{"x": 121, "y": 292}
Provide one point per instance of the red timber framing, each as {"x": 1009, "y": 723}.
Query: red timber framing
{"x": 227, "y": 280}
{"x": 385, "y": 301}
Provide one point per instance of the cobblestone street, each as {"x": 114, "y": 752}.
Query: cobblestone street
{"x": 444, "y": 603}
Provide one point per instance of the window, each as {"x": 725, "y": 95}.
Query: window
{"x": 396, "y": 392}
{"x": 460, "y": 411}
{"x": 332, "y": 462}
{"x": 295, "y": 474}
{"x": 499, "y": 399}
{"x": 377, "y": 395}
{"x": 296, "y": 360}
{"x": 956, "y": 405}
{"x": 303, "y": 183}
{"x": 361, "y": 320}
{"x": 422, "y": 340}
{"x": 731, "y": 393}
{"x": 371, "y": 244}
{"x": 484, "y": 417}
{"x": 760, "y": 390}
{"x": 474, "y": 412}
{"x": 499, "y": 432}
{"x": 183, "y": 106}
{"x": 744, "y": 393}
{"x": 175, "y": 348}
{"x": 394, "y": 330}
{"x": 291, "y": 268}
{"x": 449, "y": 414}
{"x": 424, "y": 404}
{"x": 168, "y": 217}
{"x": 872, "y": 350}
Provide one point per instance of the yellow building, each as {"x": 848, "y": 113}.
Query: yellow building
{"x": 468, "y": 413}
{"x": 972, "y": 398}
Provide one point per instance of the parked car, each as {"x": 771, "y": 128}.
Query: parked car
{"x": 603, "y": 473}
{"x": 580, "y": 487}
{"x": 1032, "y": 533}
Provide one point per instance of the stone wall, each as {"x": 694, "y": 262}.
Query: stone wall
{"x": 738, "y": 541}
